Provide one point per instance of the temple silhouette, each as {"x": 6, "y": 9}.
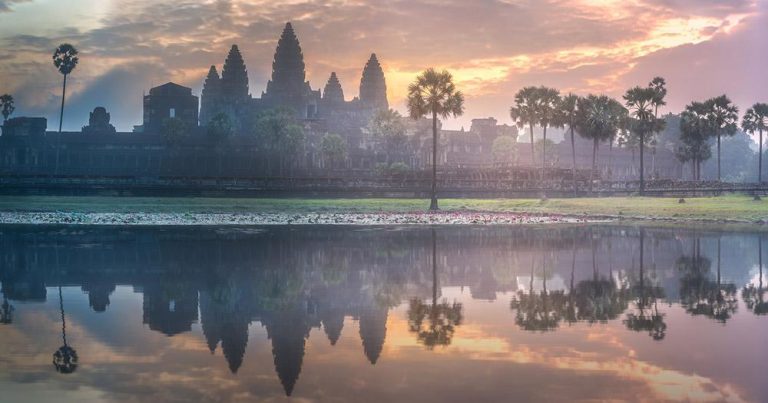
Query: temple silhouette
{"x": 229, "y": 92}
{"x": 148, "y": 160}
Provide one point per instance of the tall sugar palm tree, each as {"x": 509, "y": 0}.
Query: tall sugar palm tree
{"x": 659, "y": 86}
{"x": 567, "y": 115}
{"x": 724, "y": 117}
{"x": 640, "y": 102}
{"x": 599, "y": 120}
{"x": 525, "y": 112}
{"x": 434, "y": 93}
{"x": 695, "y": 128}
{"x": 756, "y": 121}
{"x": 65, "y": 59}
{"x": 6, "y": 106}
{"x": 547, "y": 116}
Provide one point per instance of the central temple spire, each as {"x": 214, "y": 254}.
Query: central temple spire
{"x": 288, "y": 72}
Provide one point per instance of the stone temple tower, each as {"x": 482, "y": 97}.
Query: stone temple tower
{"x": 288, "y": 86}
{"x": 210, "y": 102}
{"x": 234, "y": 78}
{"x": 333, "y": 94}
{"x": 373, "y": 87}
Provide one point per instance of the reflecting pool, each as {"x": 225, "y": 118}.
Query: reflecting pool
{"x": 382, "y": 314}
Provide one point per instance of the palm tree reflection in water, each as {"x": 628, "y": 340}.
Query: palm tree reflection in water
{"x": 442, "y": 318}
{"x": 600, "y": 299}
{"x": 700, "y": 295}
{"x": 541, "y": 311}
{"x": 65, "y": 358}
{"x": 754, "y": 297}
{"x": 646, "y": 316}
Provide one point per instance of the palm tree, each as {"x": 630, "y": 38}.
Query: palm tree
{"x": 434, "y": 93}
{"x": 640, "y": 102}
{"x": 567, "y": 114}
{"x": 65, "y": 59}
{"x": 599, "y": 119}
{"x": 6, "y": 106}
{"x": 547, "y": 115}
{"x": 695, "y": 128}
{"x": 659, "y": 86}
{"x": 756, "y": 120}
{"x": 724, "y": 116}
{"x": 524, "y": 112}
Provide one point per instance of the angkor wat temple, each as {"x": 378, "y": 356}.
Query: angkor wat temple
{"x": 229, "y": 92}
{"x": 28, "y": 150}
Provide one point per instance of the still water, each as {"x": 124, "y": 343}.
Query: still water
{"x": 382, "y": 314}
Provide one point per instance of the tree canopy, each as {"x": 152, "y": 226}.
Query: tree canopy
{"x": 6, "y": 106}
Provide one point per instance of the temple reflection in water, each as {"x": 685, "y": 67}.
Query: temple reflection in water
{"x": 291, "y": 280}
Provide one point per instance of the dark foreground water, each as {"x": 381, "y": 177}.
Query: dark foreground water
{"x": 382, "y": 314}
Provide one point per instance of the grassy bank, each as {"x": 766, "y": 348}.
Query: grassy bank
{"x": 730, "y": 208}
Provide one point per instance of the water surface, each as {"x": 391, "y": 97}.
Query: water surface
{"x": 381, "y": 314}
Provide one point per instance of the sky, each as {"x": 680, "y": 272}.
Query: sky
{"x": 703, "y": 48}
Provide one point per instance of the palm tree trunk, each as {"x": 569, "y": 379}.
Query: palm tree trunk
{"x": 63, "y": 95}
{"x": 544, "y": 154}
{"x": 433, "y": 202}
{"x": 594, "y": 260}
{"x": 655, "y": 139}
{"x": 718, "y": 261}
{"x": 698, "y": 169}
{"x": 434, "y": 268}
{"x": 610, "y": 158}
{"x": 642, "y": 164}
{"x": 642, "y": 248}
{"x": 695, "y": 169}
{"x": 594, "y": 163}
{"x": 573, "y": 264}
{"x": 573, "y": 154}
{"x": 718, "y": 157}
{"x": 63, "y": 319}
{"x": 760, "y": 159}
{"x": 61, "y": 121}
{"x": 533, "y": 149}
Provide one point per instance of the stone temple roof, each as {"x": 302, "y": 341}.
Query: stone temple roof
{"x": 170, "y": 89}
{"x": 333, "y": 91}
